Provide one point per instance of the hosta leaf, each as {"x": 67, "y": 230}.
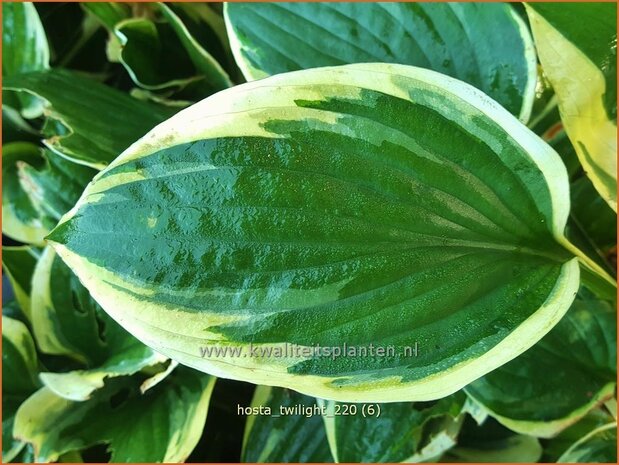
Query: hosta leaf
{"x": 392, "y": 432}
{"x": 18, "y": 263}
{"x": 592, "y": 223}
{"x": 205, "y": 20}
{"x": 487, "y": 46}
{"x": 204, "y": 62}
{"x": 80, "y": 385}
{"x": 15, "y": 128}
{"x": 597, "y": 219}
{"x": 577, "y": 46}
{"x": 108, "y": 13}
{"x": 76, "y": 40}
{"x": 67, "y": 321}
{"x": 163, "y": 54}
{"x": 599, "y": 446}
{"x": 20, "y": 219}
{"x": 556, "y": 446}
{"x": 152, "y": 54}
{"x": 162, "y": 425}
{"x": 517, "y": 448}
{"x": 491, "y": 443}
{"x": 580, "y": 352}
{"x": 26, "y": 455}
{"x": 151, "y": 382}
{"x": 54, "y": 188}
{"x": 552, "y": 131}
{"x": 19, "y": 375}
{"x": 24, "y": 48}
{"x": 92, "y": 139}
{"x": 330, "y": 206}
{"x": 285, "y": 434}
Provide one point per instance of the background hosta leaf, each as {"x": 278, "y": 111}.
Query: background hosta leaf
{"x": 55, "y": 187}
{"x": 101, "y": 121}
{"x": 599, "y": 446}
{"x": 285, "y": 437}
{"x": 206, "y": 64}
{"x": 393, "y": 432}
{"x": 24, "y": 48}
{"x": 577, "y": 46}
{"x": 491, "y": 443}
{"x": 26, "y": 455}
{"x": 18, "y": 263}
{"x": 329, "y": 206}
{"x": 108, "y": 13}
{"x": 593, "y": 224}
{"x": 75, "y": 39}
{"x": 153, "y": 55}
{"x": 19, "y": 379}
{"x": 555, "y": 447}
{"x": 67, "y": 321}
{"x": 165, "y": 48}
{"x": 162, "y": 425}
{"x": 20, "y": 219}
{"x": 566, "y": 374}
{"x": 485, "y": 45}
{"x": 15, "y": 128}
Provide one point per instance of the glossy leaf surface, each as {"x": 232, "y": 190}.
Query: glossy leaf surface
{"x": 333, "y": 206}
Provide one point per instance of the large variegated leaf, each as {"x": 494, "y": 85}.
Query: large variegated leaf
{"x": 287, "y": 427}
{"x": 19, "y": 379}
{"x": 368, "y": 204}
{"x": 24, "y": 49}
{"x": 87, "y": 109}
{"x": 485, "y": 45}
{"x": 163, "y": 425}
{"x": 394, "y": 432}
{"x": 67, "y": 321}
{"x": 577, "y": 46}
{"x": 581, "y": 354}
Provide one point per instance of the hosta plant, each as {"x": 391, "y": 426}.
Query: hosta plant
{"x": 309, "y": 232}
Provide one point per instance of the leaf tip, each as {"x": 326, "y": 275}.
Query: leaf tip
{"x": 58, "y": 235}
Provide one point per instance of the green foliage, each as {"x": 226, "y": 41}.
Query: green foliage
{"x": 375, "y": 185}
